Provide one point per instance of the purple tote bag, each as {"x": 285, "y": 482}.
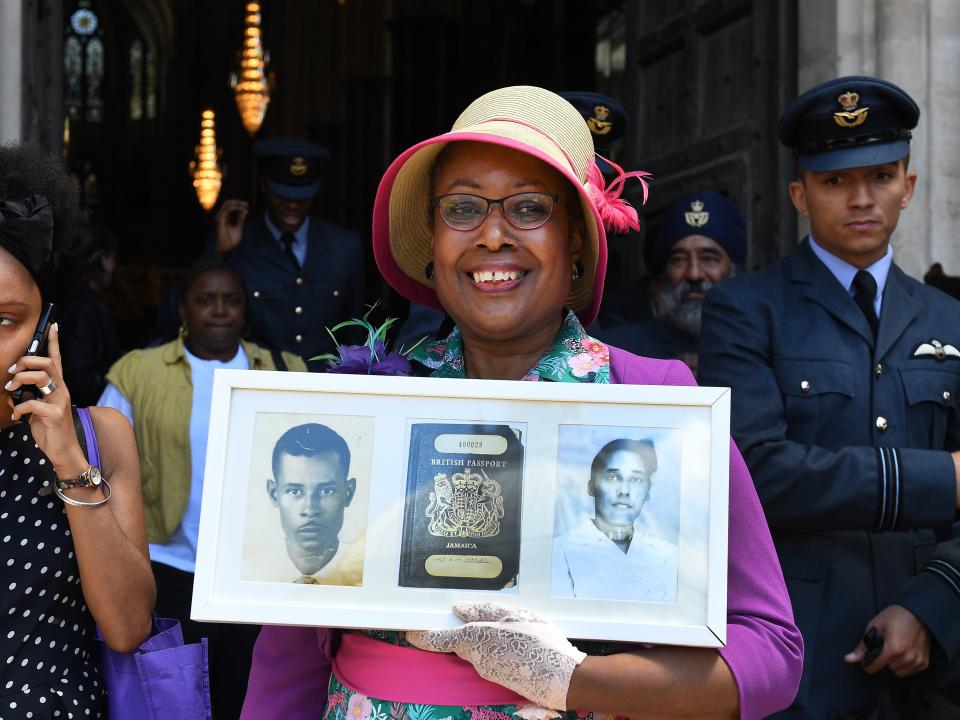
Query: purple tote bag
{"x": 163, "y": 679}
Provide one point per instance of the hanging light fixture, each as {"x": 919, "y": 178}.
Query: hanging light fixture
{"x": 251, "y": 86}
{"x": 205, "y": 167}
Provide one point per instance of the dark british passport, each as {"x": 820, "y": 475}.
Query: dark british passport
{"x": 461, "y": 525}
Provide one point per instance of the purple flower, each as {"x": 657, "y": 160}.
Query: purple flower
{"x": 392, "y": 364}
{"x": 354, "y": 359}
{"x": 359, "y": 360}
{"x": 372, "y": 357}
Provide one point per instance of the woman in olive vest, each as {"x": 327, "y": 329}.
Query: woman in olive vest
{"x": 166, "y": 393}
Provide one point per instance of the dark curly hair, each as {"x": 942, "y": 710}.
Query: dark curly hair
{"x": 31, "y": 170}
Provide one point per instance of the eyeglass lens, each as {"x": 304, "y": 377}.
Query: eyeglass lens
{"x": 525, "y": 211}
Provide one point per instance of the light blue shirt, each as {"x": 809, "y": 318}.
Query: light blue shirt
{"x": 300, "y": 237}
{"x": 844, "y": 272}
{"x": 181, "y": 550}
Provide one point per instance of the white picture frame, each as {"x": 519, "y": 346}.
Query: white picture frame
{"x": 559, "y": 425}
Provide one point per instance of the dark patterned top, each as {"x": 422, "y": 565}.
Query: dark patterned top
{"x": 47, "y": 669}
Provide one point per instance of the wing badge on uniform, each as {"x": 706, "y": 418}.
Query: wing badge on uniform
{"x": 936, "y": 350}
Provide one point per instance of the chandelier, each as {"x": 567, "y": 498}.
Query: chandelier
{"x": 205, "y": 167}
{"x": 251, "y": 86}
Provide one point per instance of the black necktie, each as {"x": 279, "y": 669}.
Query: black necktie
{"x": 288, "y": 239}
{"x": 864, "y": 292}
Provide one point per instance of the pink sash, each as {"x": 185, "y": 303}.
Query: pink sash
{"x": 384, "y": 671}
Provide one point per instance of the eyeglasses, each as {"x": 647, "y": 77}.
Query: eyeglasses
{"x": 524, "y": 211}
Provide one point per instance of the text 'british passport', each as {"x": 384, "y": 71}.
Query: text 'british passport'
{"x": 461, "y": 525}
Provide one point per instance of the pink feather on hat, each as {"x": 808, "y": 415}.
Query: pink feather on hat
{"x": 617, "y": 214}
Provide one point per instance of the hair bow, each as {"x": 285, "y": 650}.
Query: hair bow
{"x": 617, "y": 214}
{"x": 26, "y": 231}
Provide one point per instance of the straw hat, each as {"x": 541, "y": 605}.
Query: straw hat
{"x": 530, "y": 120}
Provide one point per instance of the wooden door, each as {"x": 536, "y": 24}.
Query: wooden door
{"x": 705, "y": 83}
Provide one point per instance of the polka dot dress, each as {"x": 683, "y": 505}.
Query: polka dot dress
{"x": 47, "y": 669}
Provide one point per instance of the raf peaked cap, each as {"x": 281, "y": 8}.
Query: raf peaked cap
{"x": 849, "y": 122}
{"x": 291, "y": 167}
{"x": 605, "y": 117}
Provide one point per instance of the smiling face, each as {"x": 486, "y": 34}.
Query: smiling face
{"x": 212, "y": 313}
{"x": 854, "y": 212}
{"x": 497, "y": 282}
{"x": 620, "y": 488}
{"x": 19, "y": 313}
{"x": 311, "y": 492}
{"x": 286, "y": 213}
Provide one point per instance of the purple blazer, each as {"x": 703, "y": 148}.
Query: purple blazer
{"x": 291, "y": 665}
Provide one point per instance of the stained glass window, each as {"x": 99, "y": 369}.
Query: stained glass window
{"x": 151, "y": 88}
{"x": 136, "y": 80}
{"x": 84, "y": 21}
{"x": 83, "y": 65}
{"x": 94, "y": 73}
{"x": 73, "y": 76}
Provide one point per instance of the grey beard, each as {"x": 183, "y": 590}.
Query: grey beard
{"x": 682, "y": 314}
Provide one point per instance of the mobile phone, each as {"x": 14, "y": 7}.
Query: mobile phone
{"x": 37, "y": 346}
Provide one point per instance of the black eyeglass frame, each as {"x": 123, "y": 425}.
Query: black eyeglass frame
{"x": 554, "y": 198}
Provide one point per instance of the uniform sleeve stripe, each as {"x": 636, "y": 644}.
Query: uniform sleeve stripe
{"x": 897, "y": 493}
{"x": 882, "y": 513}
{"x": 946, "y": 567}
{"x": 946, "y": 578}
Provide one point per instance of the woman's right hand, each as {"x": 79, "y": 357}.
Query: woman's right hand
{"x": 512, "y": 647}
{"x": 51, "y": 415}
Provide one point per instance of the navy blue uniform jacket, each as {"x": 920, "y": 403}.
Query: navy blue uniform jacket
{"x": 847, "y": 440}
{"x": 288, "y": 310}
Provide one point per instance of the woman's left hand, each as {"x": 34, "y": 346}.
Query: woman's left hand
{"x": 51, "y": 416}
{"x": 512, "y": 647}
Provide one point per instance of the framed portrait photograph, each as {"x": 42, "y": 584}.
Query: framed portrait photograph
{"x": 377, "y": 503}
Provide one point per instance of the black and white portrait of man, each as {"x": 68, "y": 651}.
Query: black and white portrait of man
{"x": 311, "y": 488}
{"x": 610, "y": 549}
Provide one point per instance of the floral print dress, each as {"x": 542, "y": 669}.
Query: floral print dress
{"x": 573, "y": 357}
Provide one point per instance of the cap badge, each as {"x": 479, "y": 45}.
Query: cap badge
{"x": 937, "y": 350}
{"x": 298, "y": 166}
{"x": 697, "y": 217}
{"x": 850, "y": 117}
{"x": 598, "y": 124}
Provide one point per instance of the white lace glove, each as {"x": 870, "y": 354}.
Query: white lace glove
{"x": 512, "y": 647}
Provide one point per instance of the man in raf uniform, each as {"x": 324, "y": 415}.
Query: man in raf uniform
{"x": 845, "y": 378}
{"x": 702, "y": 241}
{"x": 302, "y": 273}
{"x": 607, "y": 121}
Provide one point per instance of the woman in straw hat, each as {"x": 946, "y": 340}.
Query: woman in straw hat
{"x": 501, "y": 223}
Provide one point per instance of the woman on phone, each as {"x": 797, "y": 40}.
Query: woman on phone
{"x": 73, "y": 550}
